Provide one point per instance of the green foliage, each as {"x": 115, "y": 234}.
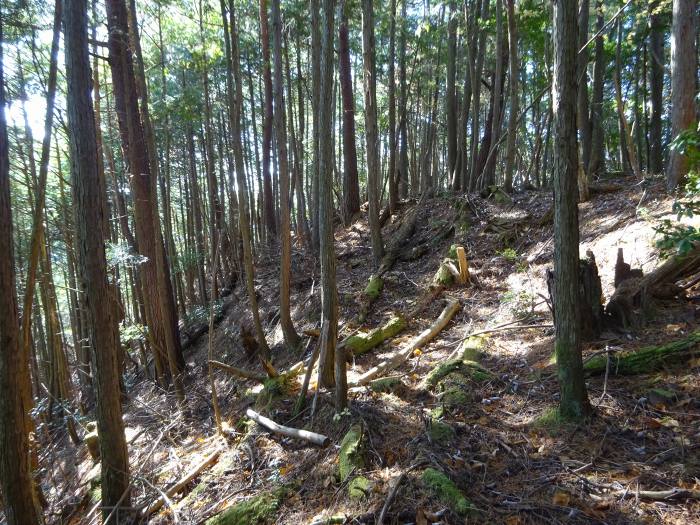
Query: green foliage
{"x": 509, "y": 254}
{"x": 521, "y": 304}
{"x": 132, "y": 332}
{"x": 676, "y": 237}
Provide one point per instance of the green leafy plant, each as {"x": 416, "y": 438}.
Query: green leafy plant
{"x": 677, "y": 237}
{"x": 509, "y": 254}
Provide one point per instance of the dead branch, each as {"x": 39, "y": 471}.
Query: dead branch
{"x": 313, "y": 437}
{"x": 238, "y": 372}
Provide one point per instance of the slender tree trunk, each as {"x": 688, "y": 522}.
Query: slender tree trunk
{"x": 235, "y": 104}
{"x": 683, "y": 82}
{"x": 371, "y": 131}
{"x": 351, "y": 184}
{"x": 268, "y": 199}
{"x": 476, "y": 95}
{"x": 656, "y": 81}
{"x": 15, "y": 465}
{"x": 573, "y": 403}
{"x": 316, "y": 132}
{"x": 329, "y": 292}
{"x": 513, "y": 73}
{"x": 291, "y": 338}
{"x": 402, "y": 170}
{"x": 596, "y": 165}
{"x": 582, "y": 111}
{"x": 450, "y": 95}
{"x": 89, "y": 205}
{"x": 393, "y": 180}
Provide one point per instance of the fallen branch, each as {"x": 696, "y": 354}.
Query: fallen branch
{"x": 307, "y": 376}
{"x": 423, "y": 338}
{"x": 238, "y": 372}
{"x": 182, "y": 483}
{"x": 313, "y": 437}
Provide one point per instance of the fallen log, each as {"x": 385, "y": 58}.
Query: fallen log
{"x": 423, "y": 338}
{"x": 238, "y": 372}
{"x": 313, "y": 437}
{"x": 182, "y": 483}
{"x": 359, "y": 344}
{"x": 645, "y": 360}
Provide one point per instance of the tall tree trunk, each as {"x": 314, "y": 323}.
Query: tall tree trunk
{"x": 351, "y": 183}
{"x": 450, "y": 95}
{"x": 573, "y": 403}
{"x": 235, "y": 105}
{"x": 582, "y": 112}
{"x": 683, "y": 79}
{"x": 268, "y": 198}
{"x": 371, "y": 130}
{"x": 596, "y": 165}
{"x": 402, "y": 169}
{"x": 15, "y": 465}
{"x": 316, "y": 132}
{"x": 291, "y": 338}
{"x": 476, "y": 95}
{"x": 393, "y": 180}
{"x": 656, "y": 81}
{"x": 329, "y": 292}
{"x": 513, "y": 73}
{"x": 160, "y": 308}
{"x": 89, "y": 204}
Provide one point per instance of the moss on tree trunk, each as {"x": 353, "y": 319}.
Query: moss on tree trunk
{"x": 363, "y": 343}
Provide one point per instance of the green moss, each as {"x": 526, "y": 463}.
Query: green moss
{"x": 443, "y": 276}
{"x": 385, "y": 384}
{"x": 256, "y": 510}
{"x": 351, "y": 457}
{"x": 454, "y": 398}
{"x": 446, "y": 491}
{"x": 96, "y": 489}
{"x": 359, "y": 487}
{"x": 440, "y": 433}
{"x": 645, "y": 360}
{"x": 472, "y": 348}
{"x": 374, "y": 287}
{"x": 92, "y": 441}
{"x": 553, "y": 422}
{"x": 452, "y": 253}
{"x": 363, "y": 343}
{"x": 470, "y": 369}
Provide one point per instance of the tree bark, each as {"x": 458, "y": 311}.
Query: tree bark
{"x": 574, "y": 399}
{"x": 15, "y": 465}
{"x": 683, "y": 80}
{"x": 656, "y": 86}
{"x": 596, "y": 165}
{"x": 89, "y": 204}
{"x": 291, "y": 338}
{"x": 450, "y": 94}
{"x": 329, "y": 293}
{"x": 268, "y": 198}
{"x": 513, "y": 72}
{"x": 371, "y": 130}
{"x": 351, "y": 184}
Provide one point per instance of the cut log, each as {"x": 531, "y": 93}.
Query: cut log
{"x": 423, "y": 338}
{"x": 603, "y": 187}
{"x": 183, "y": 482}
{"x": 633, "y": 301}
{"x": 463, "y": 265}
{"x": 313, "y": 437}
{"x": 646, "y": 360}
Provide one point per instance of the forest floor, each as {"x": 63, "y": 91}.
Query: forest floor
{"x": 492, "y": 433}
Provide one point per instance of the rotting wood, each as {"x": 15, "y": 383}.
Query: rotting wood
{"x": 183, "y": 482}
{"x": 422, "y": 339}
{"x": 313, "y": 437}
{"x": 463, "y": 265}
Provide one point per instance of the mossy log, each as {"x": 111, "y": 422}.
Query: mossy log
{"x": 423, "y": 338}
{"x": 351, "y": 459}
{"x": 446, "y": 491}
{"x": 362, "y": 343}
{"x": 256, "y": 510}
{"x": 369, "y": 295}
{"x": 646, "y": 360}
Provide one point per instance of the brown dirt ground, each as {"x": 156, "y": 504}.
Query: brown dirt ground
{"x": 509, "y": 468}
